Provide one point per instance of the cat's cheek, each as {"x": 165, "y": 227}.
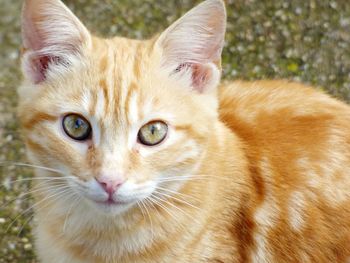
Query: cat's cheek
{"x": 134, "y": 191}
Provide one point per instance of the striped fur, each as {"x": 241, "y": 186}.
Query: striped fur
{"x": 261, "y": 167}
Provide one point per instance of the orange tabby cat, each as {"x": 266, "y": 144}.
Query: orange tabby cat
{"x": 150, "y": 161}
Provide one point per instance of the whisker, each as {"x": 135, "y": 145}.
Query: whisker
{"x": 38, "y": 178}
{"x": 150, "y": 219}
{"x": 32, "y": 216}
{"x": 196, "y": 176}
{"x": 24, "y": 224}
{"x": 167, "y": 210}
{"x": 36, "y": 204}
{"x": 178, "y": 193}
{"x": 183, "y": 178}
{"x": 151, "y": 198}
{"x": 171, "y": 204}
{"x": 147, "y": 201}
{"x": 36, "y": 189}
{"x": 141, "y": 209}
{"x": 74, "y": 203}
{"x": 31, "y": 166}
{"x": 175, "y": 177}
{"x": 177, "y": 199}
{"x": 200, "y": 177}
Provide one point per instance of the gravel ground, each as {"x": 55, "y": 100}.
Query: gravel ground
{"x": 303, "y": 40}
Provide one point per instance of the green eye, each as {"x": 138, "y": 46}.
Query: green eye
{"x": 153, "y": 133}
{"x": 76, "y": 127}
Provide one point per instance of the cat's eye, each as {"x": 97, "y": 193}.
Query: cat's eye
{"x": 153, "y": 133}
{"x": 76, "y": 127}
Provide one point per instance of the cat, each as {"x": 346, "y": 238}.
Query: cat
{"x": 143, "y": 156}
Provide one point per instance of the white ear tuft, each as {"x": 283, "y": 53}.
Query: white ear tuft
{"x": 52, "y": 36}
{"x": 194, "y": 43}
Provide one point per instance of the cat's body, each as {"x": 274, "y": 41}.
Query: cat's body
{"x": 275, "y": 201}
{"x": 259, "y": 175}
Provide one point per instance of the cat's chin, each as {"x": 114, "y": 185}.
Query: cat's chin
{"x": 112, "y": 207}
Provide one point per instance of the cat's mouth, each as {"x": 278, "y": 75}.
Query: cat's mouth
{"x": 112, "y": 202}
{"x": 113, "y": 206}
{"x": 115, "y": 201}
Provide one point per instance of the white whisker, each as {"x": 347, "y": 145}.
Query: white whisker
{"x": 150, "y": 219}
{"x": 177, "y": 199}
{"x": 31, "y": 166}
{"x": 32, "y": 216}
{"x": 151, "y": 198}
{"x": 40, "y": 178}
{"x": 65, "y": 190}
{"x": 148, "y": 201}
{"x": 178, "y": 193}
{"x": 35, "y": 189}
{"x": 74, "y": 203}
{"x": 141, "y": 209}
{"x": 171, "y": 204}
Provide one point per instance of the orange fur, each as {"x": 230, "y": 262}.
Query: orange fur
{"x": 268, "y": 165}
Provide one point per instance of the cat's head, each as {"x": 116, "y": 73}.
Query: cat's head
{"x": 119, "y": 118}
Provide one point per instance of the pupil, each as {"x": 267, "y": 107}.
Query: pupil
{"x": 153, "y": 129}
{"x": 78, "y": 123}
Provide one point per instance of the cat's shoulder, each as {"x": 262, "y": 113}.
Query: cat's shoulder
{"x": 283, "y": 113}
{"x": 275, "y": 96}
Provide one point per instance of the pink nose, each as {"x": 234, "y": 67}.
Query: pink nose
{"x": 110, "y": 185}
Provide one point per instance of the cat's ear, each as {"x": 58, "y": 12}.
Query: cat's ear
{"x": 191, "y": 47}
{"x": 52, "y": 38}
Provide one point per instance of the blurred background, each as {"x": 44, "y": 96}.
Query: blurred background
{"x": 301, "y": 40}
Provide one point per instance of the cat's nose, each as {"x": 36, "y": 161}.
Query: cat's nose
{"x": 110, "y": 184}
